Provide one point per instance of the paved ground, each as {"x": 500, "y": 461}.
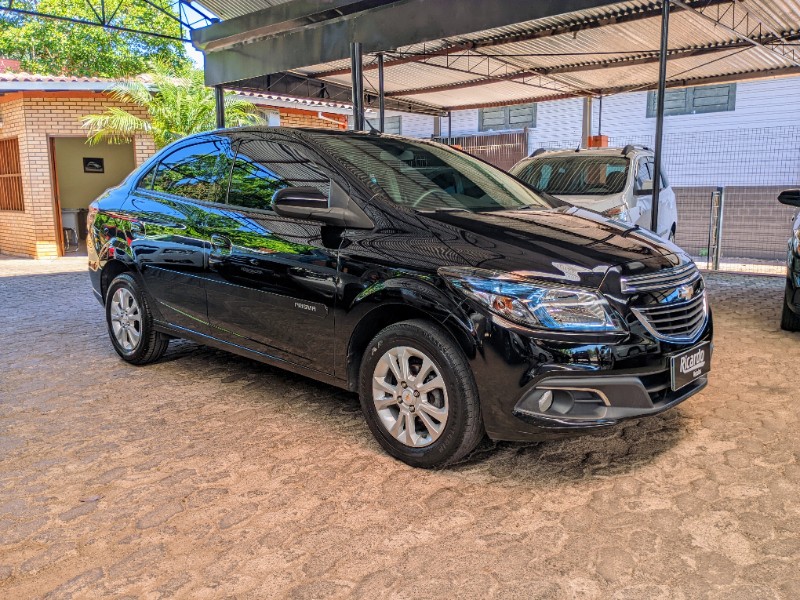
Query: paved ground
{"x": 208, "y": 476}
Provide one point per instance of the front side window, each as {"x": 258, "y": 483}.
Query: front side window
{"x": 191, "y": 171}
{"x": 577, "y": 175}
{"x": 646, "y": 171}
{"x": 264, "y": 166}
{"x": 429, "y": 177}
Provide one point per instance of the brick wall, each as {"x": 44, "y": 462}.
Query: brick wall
{"x": 34, "y": 118}
{"x": 292, "y": 117}
{"x": 17, "y": 235}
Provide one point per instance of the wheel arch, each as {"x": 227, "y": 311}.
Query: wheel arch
{"x": 110, "y": 271}
{"x": 403, "y": 307}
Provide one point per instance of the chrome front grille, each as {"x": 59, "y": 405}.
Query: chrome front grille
{"x": 681, "y": 320}
{"x": 677, "y": 321}
{"x": 668, "y": 278}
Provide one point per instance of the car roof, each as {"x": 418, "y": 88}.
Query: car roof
{"x": 596, "y": 152}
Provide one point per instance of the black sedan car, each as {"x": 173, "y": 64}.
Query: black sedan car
{"x": 790, "y": 317}
{"x": 456, "y": 300}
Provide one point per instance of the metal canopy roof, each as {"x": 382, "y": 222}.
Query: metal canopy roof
{"x": 443, "y": 55}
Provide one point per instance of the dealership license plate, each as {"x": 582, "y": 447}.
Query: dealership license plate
{"x": 690, "y": 365}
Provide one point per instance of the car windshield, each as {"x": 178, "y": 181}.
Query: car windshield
{"x": 576, "y": 175}
{"x": 430, "y": 177}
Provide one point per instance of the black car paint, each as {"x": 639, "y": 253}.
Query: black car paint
{"x": 792, "y": 298}
{"x": 308, "y": 297}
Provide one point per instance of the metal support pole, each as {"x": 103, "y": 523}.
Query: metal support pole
{"x": 586, "y": 130}
{"x": 356, "y": 69}
{"x": 662, "y": 87}
{"x": 715, "y": 228}
{"x": 600, "y": 117}
{"x": 449, "y": 123}
{"x": 219, "y": 97}
{"x": 381, "y": 95}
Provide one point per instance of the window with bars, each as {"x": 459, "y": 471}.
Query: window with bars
{"x": 695, "y": 100}
{"x": 10, "y": 176}
{"x": 393, "y": 125}
{"x": 518, "y": 116}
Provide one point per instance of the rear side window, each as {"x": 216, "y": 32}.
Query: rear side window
{"x": 195, "y": 172}
{"x": 263, "y": 167}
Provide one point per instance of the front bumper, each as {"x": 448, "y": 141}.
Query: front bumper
{"x": 568, "y": 403}
{"x": 534, "y": 389}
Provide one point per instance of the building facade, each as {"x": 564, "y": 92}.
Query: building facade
{"x": 48, "y": 173}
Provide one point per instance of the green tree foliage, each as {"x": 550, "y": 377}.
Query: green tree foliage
{"x": 59, "y": 47}
{"x": 177, "y": 105}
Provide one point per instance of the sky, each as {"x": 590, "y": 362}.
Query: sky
{"x": 195, "y": 55}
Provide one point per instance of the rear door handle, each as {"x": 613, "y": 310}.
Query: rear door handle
{"x": 220, "y": 241}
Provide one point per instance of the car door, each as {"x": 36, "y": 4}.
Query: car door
{"x": 169, "y": 241}
{"x": 273, "y": 279}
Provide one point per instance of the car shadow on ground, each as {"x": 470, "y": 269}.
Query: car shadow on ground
{"x": 616, "y": 450}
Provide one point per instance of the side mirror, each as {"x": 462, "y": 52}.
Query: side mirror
{"x": 790, "y": 197}
{"x": 298, "y": 202}
{"x": 646, "y": 188}
{"x": 309, "y": 204}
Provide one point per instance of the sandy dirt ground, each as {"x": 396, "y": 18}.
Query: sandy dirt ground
{"x": 209, "y": 476}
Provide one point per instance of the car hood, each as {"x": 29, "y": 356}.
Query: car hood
{"x": 567, "y": 244}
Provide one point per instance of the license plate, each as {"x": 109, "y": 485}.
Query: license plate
{"x": 690, "y": 364}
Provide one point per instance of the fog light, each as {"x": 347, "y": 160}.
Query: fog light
{"x": 545, "y": 401}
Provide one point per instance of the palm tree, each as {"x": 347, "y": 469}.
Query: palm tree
{"x": 177, "y": 105}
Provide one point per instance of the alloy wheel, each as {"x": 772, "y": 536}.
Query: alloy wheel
{"x": 410, "y": 396}
{"x": 126, "y": 319}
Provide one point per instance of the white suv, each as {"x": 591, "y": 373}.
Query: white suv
{"x": 617, "y": 182}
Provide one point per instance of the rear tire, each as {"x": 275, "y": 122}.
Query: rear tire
{"x": 130, "y": 322}
{"x": 790, "y": 320}
{"x": 418, "y": 395}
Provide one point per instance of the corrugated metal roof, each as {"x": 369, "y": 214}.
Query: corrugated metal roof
{"x": 613, "y": 49}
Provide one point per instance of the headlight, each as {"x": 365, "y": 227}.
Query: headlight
{"x": 531, "y": 303}
{"x": 619, "y": 213}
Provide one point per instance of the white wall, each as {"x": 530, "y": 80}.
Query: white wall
{"x": 758, "y": 143}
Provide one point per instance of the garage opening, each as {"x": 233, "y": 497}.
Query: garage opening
{"x": 81, "y": 173}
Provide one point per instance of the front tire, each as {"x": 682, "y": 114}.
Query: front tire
{"x": 790, "y": 320}
{"x": 418, "y": 395}
{"x": 130, "y": 322}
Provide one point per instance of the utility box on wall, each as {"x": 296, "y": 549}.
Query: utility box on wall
{"x": 598, "y": 141}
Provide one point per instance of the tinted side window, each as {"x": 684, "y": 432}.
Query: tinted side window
{"x": 642, "y": 173}
{"x": 652, "y": 169}
{"x": 263, "y": 167}
{"x": 191, "y": 172}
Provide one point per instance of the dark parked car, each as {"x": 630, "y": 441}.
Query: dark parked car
{"x": 790, "y": 317}
{"x": 456, "y": 300}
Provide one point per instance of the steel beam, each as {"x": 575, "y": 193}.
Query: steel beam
{"x": 662, "y": 88}
{"x": 381, "y": 95}
{"x": 356, "y": 62}
{"x": 546, "y": 72}
{"x": 276, "y": 19}
{"x": 379, "y": 29}
{"x": 776, "y": 45}
{"x": 630, "y": 15}
{"x": 219, "y": 101}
